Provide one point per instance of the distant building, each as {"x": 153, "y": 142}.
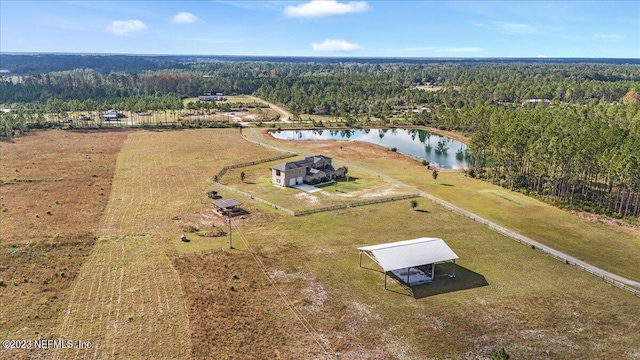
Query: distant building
{"x": 112, "y": 114}
{"x": 537, "y": 101}
{"x": 418, "y": 111}
{"x": 310, "y": 170}
{"x": 208, "y": 97}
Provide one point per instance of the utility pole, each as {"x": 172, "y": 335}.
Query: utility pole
{"x": 229, "y": 221}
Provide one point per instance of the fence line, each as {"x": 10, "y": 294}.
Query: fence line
{"x": 250, "y": 196}
{"x": 223, "y": 171}
{"x": 382, "y": 200}
{"x": 322, "y": 209}
{"x": 356, "y": 204}
{"x": 531, "y": 243}
{"x": 316, "y": 210}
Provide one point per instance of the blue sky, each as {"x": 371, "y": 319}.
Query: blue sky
{"x": 446, "y": 29}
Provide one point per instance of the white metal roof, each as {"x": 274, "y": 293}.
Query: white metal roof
{"x": 409, "y": 253}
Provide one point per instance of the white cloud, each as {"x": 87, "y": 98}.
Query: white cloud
{"x": 319, "y": 8}
{"x": 184, "y": 18}
{"x": 124, "y": 28}
{"x": 607, "y": 36}
{"x": 335, "y": 45}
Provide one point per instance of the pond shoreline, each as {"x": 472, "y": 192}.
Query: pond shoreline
{"x": 419, "y": 143}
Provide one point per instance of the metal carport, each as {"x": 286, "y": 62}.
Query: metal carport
{"x": 407, "y": 254}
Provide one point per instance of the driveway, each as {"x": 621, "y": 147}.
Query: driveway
{"x": 307, "y": 188}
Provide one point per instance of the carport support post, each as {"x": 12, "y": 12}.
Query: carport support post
{"x": 360, "y": 258}
{"x": 385, "y": 280}
{"x": 454, "y": 268}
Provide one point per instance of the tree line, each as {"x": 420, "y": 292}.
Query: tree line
{"x": 567, "y": 132}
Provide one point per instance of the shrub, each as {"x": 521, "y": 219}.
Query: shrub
{"x": 471, "y": 172}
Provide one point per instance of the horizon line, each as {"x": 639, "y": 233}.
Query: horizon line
{"x": 320, "y": 57}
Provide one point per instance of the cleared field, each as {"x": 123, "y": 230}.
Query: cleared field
{"x": 170, "y": 118}
{"x": 531, "y": 304}
{"x": 429, "y": 88}
{"x": 55, "y": 185}
{"x": 297, "y": 290}
{"x": 240, "y": 314}
{"x": 127, "y": 299}
{"x": 613, "y": 248}
{"x": 134, "y": 294}
{"x": 505, "y": 295}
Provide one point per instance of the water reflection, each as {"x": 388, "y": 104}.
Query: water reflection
{"x": 450, "y": 154}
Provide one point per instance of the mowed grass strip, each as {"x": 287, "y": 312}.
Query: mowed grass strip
{"x": 128, "y": 300}
{"x": 47, "y": 227}
{"x": 612, "y": 248}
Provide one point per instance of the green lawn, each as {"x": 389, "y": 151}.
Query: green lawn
{"x": 505, "y": 293}
{"x": 360, "y": 187}
{"x": 613, "y": 248}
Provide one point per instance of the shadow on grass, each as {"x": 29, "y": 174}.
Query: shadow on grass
{"x": 423, "y": 211}
{"x": 465, "y": 279}
{"x": 239, "y": 212}
{"x": 447, "y": 184}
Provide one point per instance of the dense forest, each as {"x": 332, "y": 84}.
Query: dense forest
{"x": 565, "y": 131}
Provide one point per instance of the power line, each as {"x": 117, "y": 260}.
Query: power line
{"x": 299, "y": 316}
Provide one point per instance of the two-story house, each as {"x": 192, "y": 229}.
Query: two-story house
{"x": 310, "y": 170}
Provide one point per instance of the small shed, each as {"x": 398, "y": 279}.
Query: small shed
{"x": 225, "y": 207}
{"x": 411, "y": 261}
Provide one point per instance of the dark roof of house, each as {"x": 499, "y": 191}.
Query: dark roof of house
{"x": 306, "y": 162}
{"x": 317, "y": 172}
{"x": 290, "y": 165}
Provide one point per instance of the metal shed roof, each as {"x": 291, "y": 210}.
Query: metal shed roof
{"x": 225, "y": 203}
{"x": 410, "y": 253}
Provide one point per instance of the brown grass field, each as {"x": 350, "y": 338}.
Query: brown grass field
{"x": 55, "y": 185}
{"x": 291, "y": 287}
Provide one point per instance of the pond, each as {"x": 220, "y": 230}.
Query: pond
{"x": 420, "y": 144}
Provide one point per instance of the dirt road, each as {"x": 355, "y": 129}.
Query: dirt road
{"x": 285, "y": 116}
